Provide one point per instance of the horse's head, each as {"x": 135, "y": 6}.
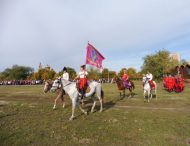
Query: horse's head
{"x": 56, "y": 85}
{"x": 145, "y": 80}
{"x": 117, "y": 79}
{"x": 47, "y": 86}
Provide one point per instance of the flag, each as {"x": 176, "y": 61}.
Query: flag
{"x": 93, "y": 57}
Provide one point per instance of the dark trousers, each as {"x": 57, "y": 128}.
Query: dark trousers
{"x": 82, "y": 91}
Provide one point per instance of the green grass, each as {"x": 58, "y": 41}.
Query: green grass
{"x": 27, "y": 118}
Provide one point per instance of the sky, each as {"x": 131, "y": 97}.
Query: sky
{"x": 56, "y": 32}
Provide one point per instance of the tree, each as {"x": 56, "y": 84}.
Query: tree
{"x": 16, "y": 73}
{"x": 112, "y": 74}
{"x": 71, "y": 71}
{"x": 43, "y": 74}
{"x": 93, "y": 74}
{"x": 159, "y": 64}
{"x": 131, "y": 72}
{"x": 104, "y": 73}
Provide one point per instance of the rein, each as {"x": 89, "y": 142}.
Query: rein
{"x": 65, "y": 85}
{"x": 61, "y": 84}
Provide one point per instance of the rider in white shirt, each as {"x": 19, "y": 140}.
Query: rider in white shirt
{"x": 149, "y": 76}
{"x": 65, "y": 75}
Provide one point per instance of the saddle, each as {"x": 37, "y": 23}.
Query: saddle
{"x": 83, "y": 90}
{"x": 127, "y": 84}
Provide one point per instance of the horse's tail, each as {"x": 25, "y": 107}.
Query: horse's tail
{"x": 92, "y": 90}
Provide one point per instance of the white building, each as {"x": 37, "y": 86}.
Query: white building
{"x": 175, "y": 56}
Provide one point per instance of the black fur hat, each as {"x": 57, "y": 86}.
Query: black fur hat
{"x": 83, "y": 66}
{"x": 64, "y": 69}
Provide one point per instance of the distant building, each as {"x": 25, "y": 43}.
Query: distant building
{"x": 175, "y": 56}
{"x": 40, "y": 66}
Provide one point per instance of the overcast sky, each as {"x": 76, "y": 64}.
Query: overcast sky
{"x": 56, "y": 32}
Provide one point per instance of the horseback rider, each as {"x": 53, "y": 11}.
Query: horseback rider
{"x": 149, "y": 77}
{"x": 125, "y": 79}
{"x": 65, "y": 75}
{"x": 82, "y": 76}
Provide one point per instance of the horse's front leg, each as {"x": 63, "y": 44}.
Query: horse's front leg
{"x": 55, "y": 102}
{"x": 74, "y": 102}
{"x": 101, "y": 104}
{"x": 63, "y": 100}
{"x": 94, "y": 104}
{"x": 144, "y": 95}
{"x": 148, "y": 96}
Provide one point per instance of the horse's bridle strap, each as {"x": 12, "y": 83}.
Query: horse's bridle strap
{"x": 66, "y": 85}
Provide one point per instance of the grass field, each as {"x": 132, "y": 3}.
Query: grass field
{"x": 27, "y": 118}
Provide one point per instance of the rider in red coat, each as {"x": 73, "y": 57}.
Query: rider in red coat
{"x": 82, "y": 76}
{"x": 125, "y": 79}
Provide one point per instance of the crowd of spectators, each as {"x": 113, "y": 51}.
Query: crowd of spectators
{"x": 21, "y": 82}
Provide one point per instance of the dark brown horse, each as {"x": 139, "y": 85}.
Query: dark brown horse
{"x": 122, "y": 88}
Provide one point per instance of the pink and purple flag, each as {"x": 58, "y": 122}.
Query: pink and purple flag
{"x": 93, "y": 57}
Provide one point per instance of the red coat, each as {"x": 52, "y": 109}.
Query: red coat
{"x": 171, "y": 82}
{"x": 83, "y": 83}
{"x": 125, "y": 77}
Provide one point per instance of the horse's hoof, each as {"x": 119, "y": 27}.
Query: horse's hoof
{"x": 86, "y": 113}
{"x": 100, "y": 111}
{"x": 71, "y": 118}
{"x": 54, "y": 108}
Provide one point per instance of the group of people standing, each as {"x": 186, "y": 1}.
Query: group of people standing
{"x": 171, "y": 83}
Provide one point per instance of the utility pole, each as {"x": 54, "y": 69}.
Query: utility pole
{"x": 108, "y": 76}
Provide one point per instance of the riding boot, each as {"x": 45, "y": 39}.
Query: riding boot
{"x": 82, "y": 93}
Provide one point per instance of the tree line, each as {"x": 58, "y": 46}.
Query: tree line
{"x": 158, "y": 64}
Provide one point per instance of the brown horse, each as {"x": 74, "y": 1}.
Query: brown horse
{"x": 121, "y": 87}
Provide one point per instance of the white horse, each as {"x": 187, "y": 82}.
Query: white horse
{"x": 60, "y": 93}
{"x": 71, "y": 90}
{"x": 148, "y": 91}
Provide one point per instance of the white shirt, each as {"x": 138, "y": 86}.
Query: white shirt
{"x": 149, "y": 76}
{"x": 83, "y": 74}
{"x": 65, "y": 76}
